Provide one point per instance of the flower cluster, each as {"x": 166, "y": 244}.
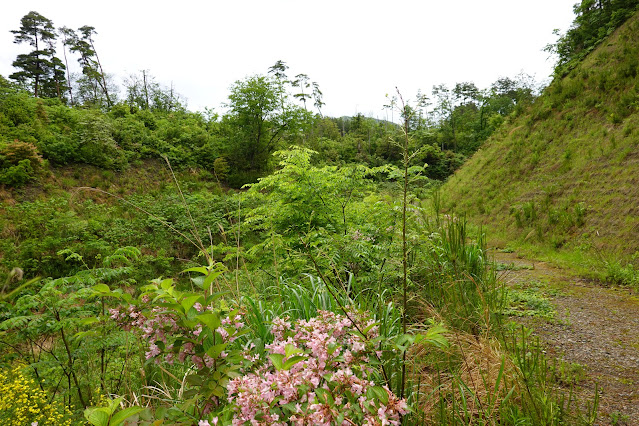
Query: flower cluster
{"x": 22, "y": 402}
{"x": 318, "y": 374}
{"x": 162, "y": 327}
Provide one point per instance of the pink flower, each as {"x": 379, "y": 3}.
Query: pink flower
{"x": 153, "y": 351}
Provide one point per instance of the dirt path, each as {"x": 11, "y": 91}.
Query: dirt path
{"x": 595, "y": 327}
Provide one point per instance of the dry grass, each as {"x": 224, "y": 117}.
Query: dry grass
{"x": 473, "y": 378}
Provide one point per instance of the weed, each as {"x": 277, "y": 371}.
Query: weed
{"x": 618, "y": 274}
{"x": 619, "y": 419}
{"x": 528, "y": 302}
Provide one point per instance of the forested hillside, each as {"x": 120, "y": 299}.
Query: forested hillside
{"x": 564, "y": 174}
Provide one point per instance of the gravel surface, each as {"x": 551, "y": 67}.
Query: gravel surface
{"x": 596, "y": 327}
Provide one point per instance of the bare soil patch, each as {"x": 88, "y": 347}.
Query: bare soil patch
{"x": 596, "y": 327}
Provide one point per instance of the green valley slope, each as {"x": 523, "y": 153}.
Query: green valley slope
{"x": 565, "y": 174}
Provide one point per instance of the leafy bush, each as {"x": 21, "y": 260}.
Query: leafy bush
{"x": 20, "y": 163}
{"x": 17, "y": 175}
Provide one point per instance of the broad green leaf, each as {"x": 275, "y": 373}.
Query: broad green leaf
{"x": 277, "y": 360}
{"x": 97, "y": 416}
{"x": 101, "y": 288}
{"x": 121, "y": 416}
{"x": 194, "y": 379}
{"x": 292, "y": 361}
{"x": 216, "y": 350}
{"x": 188, "y": 302}
{"x": 378, "y": 393}
{"x": 201, "y": 269}
{"x": 435, "y": 336}
{"x": 89, "y": 321}
{"x": 210, "y": 319}
{"x": 291, "y": 349}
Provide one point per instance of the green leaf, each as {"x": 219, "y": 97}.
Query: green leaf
{"x": 216, "y": 350}
{"x": 194, "y": 379}
{"x": 435, "y": 336}
{"x": 97, "y": 416}
{"x": 121, "y": 416}
{"x": 323, "y": 396}
{"x": 210, "y": 319}
{"x": 101, "y": 288}
{"x": 291, "y": 349}
{"x": 84, "y": 334}
{"x": 188, "y": 302}
{"x": 277, "y": 360}
{"x": 378, "y": 393}
{"x": 89, "y": 321}
{"x": 292, "y": 361}
{"x": 201, "y": 269}
{"x": 367, "y": 329}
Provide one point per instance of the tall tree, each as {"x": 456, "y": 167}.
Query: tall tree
{"x": 94, "y": 81}
{"x": 302, "y": 83}
{"x": 260, "y": 116}
{"x": 444, "y": 107}
{"x": 317, "y": 97}
{"x": 68, "y": 35}
{"x": 40, "y": 67}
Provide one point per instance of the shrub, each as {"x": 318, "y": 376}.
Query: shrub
{"x": 17, "y": 175}
{"x": 319, "y": 372}
{"x": 20, "y": 163}
{"x": 22, "y": 402}
{"x": 17, "y": 151}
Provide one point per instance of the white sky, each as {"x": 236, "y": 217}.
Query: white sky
{"x": 357, "y": 51}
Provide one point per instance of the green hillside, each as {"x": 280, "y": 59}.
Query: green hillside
{"x": 564, "y": 176}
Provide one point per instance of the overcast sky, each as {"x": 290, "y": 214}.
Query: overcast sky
{"x": 357, "y": 51}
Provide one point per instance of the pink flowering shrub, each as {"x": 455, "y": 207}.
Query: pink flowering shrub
{"x": 319, "y": 372}
{"x": 192, "y": 329}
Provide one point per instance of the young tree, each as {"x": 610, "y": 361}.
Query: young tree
{"x": 302, "y": 83}
{"x": 317, "y": 96}
{"x": 145, "y": 93}
{"x": 260, "y": 115}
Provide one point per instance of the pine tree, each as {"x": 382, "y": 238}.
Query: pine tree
{"x": 39, "y": 70}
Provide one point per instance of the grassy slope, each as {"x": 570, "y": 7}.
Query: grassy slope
{"x": 563, "y": 178}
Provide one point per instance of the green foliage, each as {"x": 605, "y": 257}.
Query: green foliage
{"x": 70, "y": 313}
{"x": 221, "y": 168}
{"x": 17, "y": 175}
{"x": 260, "y": 117}
{"x": 616, "y": 273}
{"x": 40, "y": 70}
{"x": 110, "y": 415}
{"x": 594, "y": 22}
